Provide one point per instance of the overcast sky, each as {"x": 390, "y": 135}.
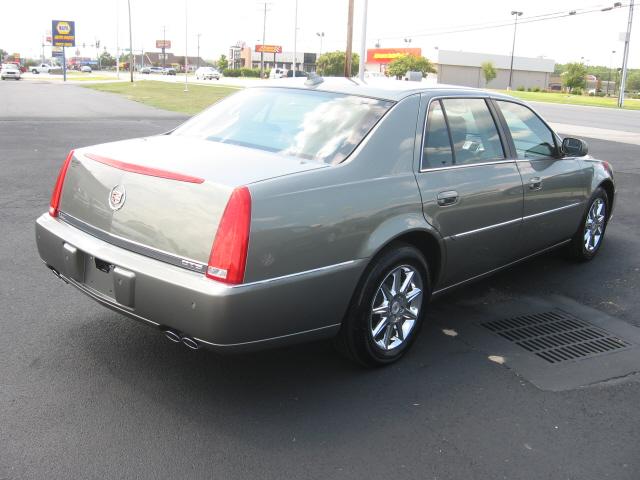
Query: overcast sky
{"x": 223, "y": 23}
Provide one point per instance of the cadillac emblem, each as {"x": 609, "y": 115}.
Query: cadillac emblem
{"x": 117, "y": 197}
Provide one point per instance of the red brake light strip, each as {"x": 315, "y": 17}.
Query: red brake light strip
{"x": 152, "y": 172}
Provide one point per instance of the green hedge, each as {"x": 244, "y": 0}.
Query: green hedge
{"x": 241, "y": 72}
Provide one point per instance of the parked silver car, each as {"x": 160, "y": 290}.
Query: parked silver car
{"x": 314, "y": 209}
{"x": 9, "y": 70}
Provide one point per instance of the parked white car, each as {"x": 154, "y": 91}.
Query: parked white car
{"x": 85, "y": 69}
{"x": 207, "y": 73}
{"x": 278, "y": 73}
{"x": 42, "y": 68}
{"x": 9, "y": 70}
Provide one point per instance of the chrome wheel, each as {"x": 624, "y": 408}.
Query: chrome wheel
{"x": 396, "y": 307}
{"x": 594, "y": 225}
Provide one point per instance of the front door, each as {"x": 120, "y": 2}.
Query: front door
{"x": 554, "y": 187}
{"x": 471, "y": 193}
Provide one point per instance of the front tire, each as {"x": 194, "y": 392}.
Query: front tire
{"x": 587, "y": 241}
{"x": 388, "y": 308}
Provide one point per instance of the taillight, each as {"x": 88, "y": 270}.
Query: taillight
{"x": 229, "y": 251}
{"x": 54, "y": 204}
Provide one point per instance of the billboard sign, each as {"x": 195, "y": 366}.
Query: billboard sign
{"x": 269, "y": 48}
{"x": 387, "y": 55}
{"x": 163, "y": 43}
{"x": 63, "y": 33}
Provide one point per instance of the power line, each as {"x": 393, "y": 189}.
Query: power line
{"x": 501, "y": 24}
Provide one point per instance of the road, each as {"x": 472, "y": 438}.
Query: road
{"x": 86, "y": 393}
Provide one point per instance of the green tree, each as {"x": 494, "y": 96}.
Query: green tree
{"x": 223, "y": 63}
{"x": 409, "y": 63}
{"x": 574, "y": 76}
{"x": 489, "y": 71}
{"x": 3, "y": 53}
{"x": 331, "y": 64}
{"x": 633, "y": 81}
{"x": 106, "y": 60}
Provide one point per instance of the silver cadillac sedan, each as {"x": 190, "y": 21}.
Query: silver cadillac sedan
{"x": 320, "y": 208}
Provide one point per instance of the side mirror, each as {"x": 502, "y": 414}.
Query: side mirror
{"x": 574, "y": 147}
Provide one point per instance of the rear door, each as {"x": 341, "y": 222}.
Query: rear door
{"x": 470, "y": 191}
{"x": 554, "y": 186}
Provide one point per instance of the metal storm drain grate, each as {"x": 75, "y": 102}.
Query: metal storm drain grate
{"x": 556, "y": 336}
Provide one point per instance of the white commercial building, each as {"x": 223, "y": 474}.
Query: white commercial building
{"x": 465, "y": 68}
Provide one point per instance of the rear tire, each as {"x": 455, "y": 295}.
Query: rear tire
{"x": 387, "y": 309}
{"x": 587, "y": 240}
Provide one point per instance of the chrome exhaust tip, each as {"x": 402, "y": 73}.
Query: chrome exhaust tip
{"x": 190, "y": 343}
{"x": 173, "y": 336}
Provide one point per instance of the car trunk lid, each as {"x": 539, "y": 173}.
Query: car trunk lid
{"x": 163, "y": 195}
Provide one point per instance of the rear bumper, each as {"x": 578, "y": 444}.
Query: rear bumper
{"x": 291, "y": 309}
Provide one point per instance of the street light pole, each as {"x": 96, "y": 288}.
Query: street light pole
{"x": 186, "y": 39}
{"x": 625, "y": 57}
{"x": 613, "y": 52}
{"x": 117, "y": 42}
{"x": 198, "y": 59}
{"x": 295, "y": 40}
{"x": 363, "y": 40}
{"x": 130, "y": 43}
{"x": 264, "y": 33}
{"x": 321, "y": 35}
{"x": 513, "y": 46}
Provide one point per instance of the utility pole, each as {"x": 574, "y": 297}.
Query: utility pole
{"x": 264, "y": 32}
{"x": 198, "y": 60}
{"x": 363, "y": 40}
{"x": 513, "y": 47}
{"x": 295, "y": 40}
{"x": 186, "y": 38}
{"x": 130, "y": 43}
{"x": 347, "y": 56}
{"x": 625, "y": 57}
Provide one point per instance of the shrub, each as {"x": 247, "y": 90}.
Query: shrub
{"x": 520, "y": 88}
{"x": 230, "y": 72}
{"x": 577, "y": 91}
{"x": 537, "y": 89}
{"x": 250, "y": 72}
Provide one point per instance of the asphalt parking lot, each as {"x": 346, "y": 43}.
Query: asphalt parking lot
{"x": 86, "y": 393}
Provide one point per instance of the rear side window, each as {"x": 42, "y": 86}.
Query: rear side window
{"x": 320, "y": 126}
{"x": 437, "y": 145}
{"x": 531, "y": 136}
{"x": 461, "y": 131}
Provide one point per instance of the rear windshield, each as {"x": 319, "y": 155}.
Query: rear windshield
{"x": 318, "y": 126}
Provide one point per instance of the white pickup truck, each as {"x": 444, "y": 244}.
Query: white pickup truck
{"x": 41, "y": 68}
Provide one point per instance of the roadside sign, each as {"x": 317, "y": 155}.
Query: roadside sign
{"x": 387, "y": 55}
{"x": 163, "y": 44}
{"x": 63, "y": 33}
{"x": 269, "y": 48}
{"x": 56, "y": 52}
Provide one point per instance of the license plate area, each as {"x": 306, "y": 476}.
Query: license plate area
{"x": 98, "y": 275}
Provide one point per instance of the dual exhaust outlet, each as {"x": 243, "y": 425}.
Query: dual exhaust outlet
{"x": 176, "y": 337}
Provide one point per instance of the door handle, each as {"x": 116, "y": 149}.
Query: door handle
{"x": 535, "y": 183}
{"x": 447, "y": 198}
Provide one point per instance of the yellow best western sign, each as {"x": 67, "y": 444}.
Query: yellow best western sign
{"x": 63, "y": 33}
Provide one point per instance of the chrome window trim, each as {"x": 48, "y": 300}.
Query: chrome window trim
{"x": 515, "y": 220}
{"x": 118, "y": 241}
{"x": 451, "y": 167}
{"x": 424, "y": 134}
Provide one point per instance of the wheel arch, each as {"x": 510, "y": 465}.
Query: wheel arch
{"x": 607, "y": 186}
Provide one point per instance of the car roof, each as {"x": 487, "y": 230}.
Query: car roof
{"x": 382, "y": 88}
